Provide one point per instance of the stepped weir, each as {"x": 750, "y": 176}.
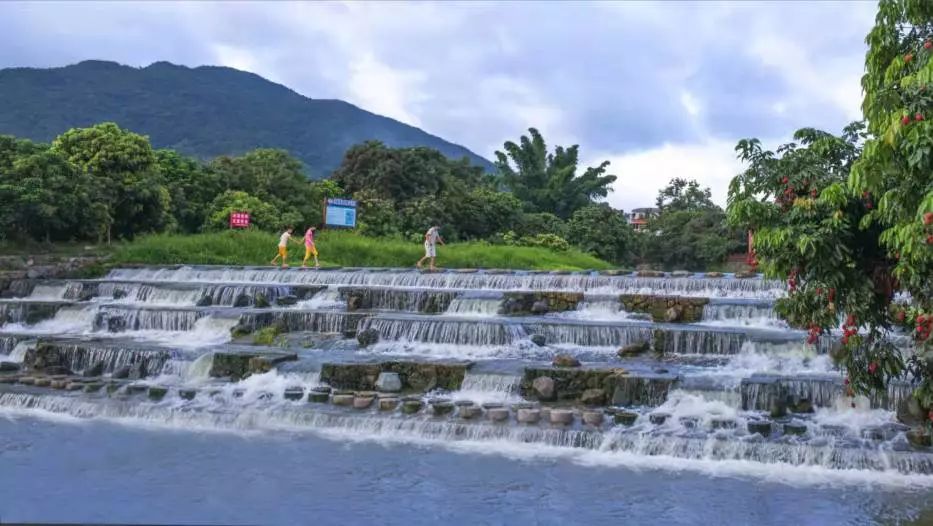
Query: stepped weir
{"x": 695, "y": 368}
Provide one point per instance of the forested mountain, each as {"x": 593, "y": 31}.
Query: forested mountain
{"x": 205, "y": 112}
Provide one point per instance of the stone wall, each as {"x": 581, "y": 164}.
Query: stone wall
{"x": 594, "y": 386}
{"x": 671, "y": 309}
{"x": 527, "y": 303}
{"x": 414, "y": 376}
{"x": 18, "y": 273}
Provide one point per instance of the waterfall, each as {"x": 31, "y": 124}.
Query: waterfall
{"x": 591, "y": 335}
{"x": 483, "y": 388}
{"x": 692, "y": 341}
{"x": 55, "y": 291}
{"x": 329, "y": 298}
{"x": 480, "y": 304}
{"x": 689, "y": 286}
{"x": 460, "y": 332}
{"x": 405, "y": 300}
{"x": 756, "y": 314}
{"x": 115, "y": 318}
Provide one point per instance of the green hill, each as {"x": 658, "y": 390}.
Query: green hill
{"x": 205, "y": 112}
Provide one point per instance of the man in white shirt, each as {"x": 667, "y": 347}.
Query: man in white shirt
{"x": 431, "y": 238}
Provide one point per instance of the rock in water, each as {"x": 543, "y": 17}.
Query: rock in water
{"x": 138, "y": 371}
{"x": 543, "y": 387}
{"x": 286, "y": 300}
{"x": 96, "y": 369}
{"x": 593, "y": 397}
{"x": 672, "y": 314}
{"x": 7, "y": 367}
{"x": 121, "y": 372}
{"x": 593, "y": 418}
{"x": 762, "y": 427}
{"x": 538, "y": 339}
{"x": 561, "y": 416}
{"x": 367, "y": 337}
{"x": 565, "y": 360}
{"x": 205, "y": 301}
{"x": 634, "y": 349}
{"x": 539, "y": 307}
{"x": 389, "y": 382}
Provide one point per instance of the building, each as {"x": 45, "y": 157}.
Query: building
{"x": 638, "y": 217}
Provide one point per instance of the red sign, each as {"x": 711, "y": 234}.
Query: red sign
{"x": 239, "y": 220}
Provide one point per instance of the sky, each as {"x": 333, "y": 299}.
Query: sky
{"x": 661, "y": 90}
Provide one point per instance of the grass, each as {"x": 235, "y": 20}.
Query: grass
{"x": 340, "y": 248}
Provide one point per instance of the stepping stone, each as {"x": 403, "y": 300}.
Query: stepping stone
{"x": 294, "y": 393}
{"x": 74, "y": 386}
{"x": 388, "y": 404}
{"x": 363, "y": 402}
{"x": 187, "y": 394}
{"x": 561, "y": 416}
{"x": 157, "y": 392}
{"x": 441, "y": 408}
{"x": 410, "y": 407}
{"x": 342, "y": 399}
{"x": 593, "y": 418}
{"x": 497, "y": 414}
{"x": 528, "y": 416}
{"x": 464, "y": 403}
{"x": 58, "y": 384}
{"x": 658, "y": 418}
{"x": 27, "y": 380}
{"x": 689, "y": 422}
{"x": 112, "y": 387}
{"x": 93, "y": 387}
{"x": 795, "y": 428}
{"x": 625, "y": 418}
{"x": 321, "y": 389}
{"x": 318, "y": 397}
{"x": 42, "y": 382}
{"x": 468, "y": 412}
{"x": 762, "y": 427}
{"x": 722, "y": 423}
{"x": 491, "y": 405}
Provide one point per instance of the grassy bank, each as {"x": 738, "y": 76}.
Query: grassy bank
{"x": 341, "y": 248}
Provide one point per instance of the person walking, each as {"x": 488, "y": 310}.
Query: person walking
{"x": 310, "y": 248}
{"x": 283, "y": 247}
{"x": 431, "y": 238}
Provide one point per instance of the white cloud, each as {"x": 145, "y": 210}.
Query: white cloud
{"x": 384, "y": 90}
{"x": 641, "y": 174}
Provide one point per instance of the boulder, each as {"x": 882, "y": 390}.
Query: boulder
{"x": 243, "y": 300}
{"x": 538, "y": 339}
{"x": 918, "y": 437}
{"x": 138, "y": 371}
{"x": 9, "y": 367}
{"x": 260, "y": 301}
{"x": 539, "y": 302}
{"x": 539, "y": 307}
{"x": 634, "y": 349}
{"x": 565, "y": 360}
{"x": 367, "y": 337}
{"x": 96, "y": 369}
{"x": 121, "y": 372}
{"x": 239, "y": 365}
{"x": 593, "y": 397}
{"x": 287, "y": 300}
{"x": 187, "y": 393}
{"x": 658, "y": 418}
{"x": 568, "y": 383}
{"x": 670, "y": 309}
{"x": 205, "y": 301}
{"x": 722, "y": 423}
{"x": 389, "y": 382}
{"x": 673, "y": 314}
{"x": 543, "y": 388}
{"x": 442, "y": 407}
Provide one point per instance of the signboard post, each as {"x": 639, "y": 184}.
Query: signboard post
{"x": 239, "y": 219}
{"x": 339, "y": 213}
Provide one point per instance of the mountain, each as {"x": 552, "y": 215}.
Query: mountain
{"x": 205, "y": 112}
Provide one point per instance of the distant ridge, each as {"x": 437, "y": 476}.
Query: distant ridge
{"x": 204, "y": 111}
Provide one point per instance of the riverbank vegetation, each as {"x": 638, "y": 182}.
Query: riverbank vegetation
{"x": 847, "y": 220}
{"x": 341, "y": 248}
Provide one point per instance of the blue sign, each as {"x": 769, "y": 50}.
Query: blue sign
{"x": 340, "y": 213}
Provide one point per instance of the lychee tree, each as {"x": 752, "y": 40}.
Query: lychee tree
{"x": 848, "y": 221}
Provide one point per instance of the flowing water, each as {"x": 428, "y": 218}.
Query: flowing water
{"x": 704, "y": 445}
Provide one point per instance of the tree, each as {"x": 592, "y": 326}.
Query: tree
{"x": 192, "y": 187}
{"x": 272, "y": 176}
{"x": 548, "y": 182}
{"x": 263, "y": 215}
{"x": 681, "y": 194}
{"x": 603, "y": 231}
{"x": 690, "y": 231}
{"x": 123, "y": 171}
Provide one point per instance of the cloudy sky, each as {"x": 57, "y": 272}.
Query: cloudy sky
{"x": 660, "y": 89}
